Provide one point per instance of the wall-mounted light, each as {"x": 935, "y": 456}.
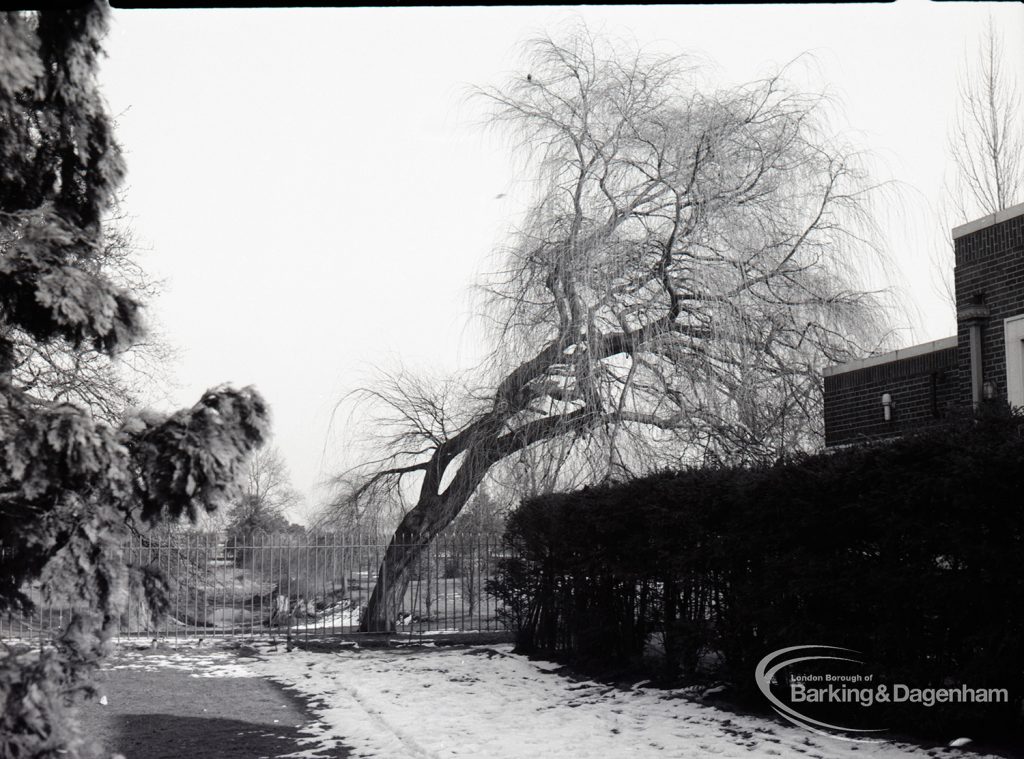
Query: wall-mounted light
{"x": 988, "y": 390}
{"x": 887, "y": 406}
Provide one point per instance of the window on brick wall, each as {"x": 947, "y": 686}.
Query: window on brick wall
{"x": 1014, "y": 338}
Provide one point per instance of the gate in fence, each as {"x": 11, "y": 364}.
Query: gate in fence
{"x": 308, "y": 585}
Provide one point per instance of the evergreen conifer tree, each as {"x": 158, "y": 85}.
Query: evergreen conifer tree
{"x": 71, "y": 487}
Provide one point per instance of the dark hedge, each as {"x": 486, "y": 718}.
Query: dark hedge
{"x": 909, "y": 552}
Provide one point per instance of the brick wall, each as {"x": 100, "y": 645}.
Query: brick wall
{"x": 926, "y": 383}
{"x": 989, "y": 266}
{"x": 922, "y": 387}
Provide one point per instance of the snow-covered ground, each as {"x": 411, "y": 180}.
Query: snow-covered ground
{"x": 424, "y": 702}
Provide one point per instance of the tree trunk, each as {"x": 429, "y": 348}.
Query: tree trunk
{"x": 433, "y": 512}
{"x": 484, "y": 443}
{"x": 392, "y": 582}
{"x": 410, "y": 540}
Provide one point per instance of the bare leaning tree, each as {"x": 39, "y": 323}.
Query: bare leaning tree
{"x": 684, "y": 273}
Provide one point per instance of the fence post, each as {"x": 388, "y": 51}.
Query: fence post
{"x": 384, "y": 593}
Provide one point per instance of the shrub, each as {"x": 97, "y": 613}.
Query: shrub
{"x": 908, "y": 552}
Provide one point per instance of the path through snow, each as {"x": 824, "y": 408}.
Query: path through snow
{"x": 426, "y": 703}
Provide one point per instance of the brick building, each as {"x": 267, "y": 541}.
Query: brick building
{"x": 882, "y": 396}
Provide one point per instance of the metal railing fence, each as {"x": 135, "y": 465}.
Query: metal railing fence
{"x": 309, "y": 585}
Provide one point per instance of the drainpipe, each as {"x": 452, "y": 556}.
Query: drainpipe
{"x": 974, "y": 316}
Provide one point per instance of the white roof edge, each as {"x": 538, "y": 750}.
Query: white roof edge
{"x": 987, "y": 221}
{"x": 897, "y": 355}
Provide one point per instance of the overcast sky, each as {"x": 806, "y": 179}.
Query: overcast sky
{"x": 315, "y": 189}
